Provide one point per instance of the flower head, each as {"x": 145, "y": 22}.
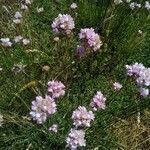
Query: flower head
{"x": 81, "y": 117}
{"x": 75, "y": 139}
{"x": 26, "y": 41}
{"x": 41, "y": 108}
{"x": 147, "y": 5}
{"x": 54, "y": 128}
{"x": 144, "y": 92}
{"x": 90, "y": 39}
{"x": 56, "y": 89}
{"x": 24, "y": 7}
{"x": 134, "y": 69}
{"x": 18, "y": 15}
{"x": 63, "y": 24}
{"x": 18, "y": 38}
{"x": 6, "y": 42}
{"x": 134, "y": 5}
{"x": 144, "y": 77}
{"x": 98, "y": 101}
{"x": 117, "y": 86}
{"x": 39, "y": 10}
{"x": 73, "y": 6}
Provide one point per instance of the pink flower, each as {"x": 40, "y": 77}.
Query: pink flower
{"x": 134, "y": 69}
{"x": 41, "y": 108}
{"x": 54, "y": 128}
{"x": 63, "y": 24}
{"x": 117, "y": 86}
{"x": 75, "y": 139}
{"x": 98, "y": 101}
{"x": 82, "y": 117}
{"x": 144, "y": 92}
{"x": 90, "y": 38}
{"x": 141, "y": 72}
{"x": 56, "y": 89}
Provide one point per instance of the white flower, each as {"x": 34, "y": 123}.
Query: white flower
{"x": 18, "y": 38}
{"x": 26, "y": 41}
{"x": 132, "y": 5}
{"x": 56, "y": 39}
{"x": 54, "y": 128}
{"x": 118, "y": 2}
{"x": 73, "y": 6}
{"x": 1, "y": 120}
{"x": 18, "y": 15}
{"x": 138, "y": 5}
{"x": 147, "y": 5}
{"x": 6, "y": 42}
{"x": 144, "y": 92}
{"x": 39, "y": 10}
{"x": 117, "y": 86}
{"x": 140, "y": 31}
{"x": 75, "y": 139}
{"x": 17, "y": 21}
{"x": 1, "y": 69}
{"x": 24, "y": 7}
{"x": 28, "y": 2}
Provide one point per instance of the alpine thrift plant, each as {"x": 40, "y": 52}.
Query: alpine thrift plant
{"x": 98, "y": 101}
{"x": 75, "y": 139}
{"x": 81, "y": 117}
{"x": 64, "y": 23}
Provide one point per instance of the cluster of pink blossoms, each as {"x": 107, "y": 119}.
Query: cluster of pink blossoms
{"x": 75, "y": 139}
{"x": 43, "y": 107}
{"x": 82, "y": 117}
{"x": 63, "y": 24}
{"x": 90, "y": 38}
{"x": 56, "y": 89}
{"x": 98, "y": 101}
{"x": 142, "y": 75}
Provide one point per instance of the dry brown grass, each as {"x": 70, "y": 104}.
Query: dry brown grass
{"x": 131, "y": 134}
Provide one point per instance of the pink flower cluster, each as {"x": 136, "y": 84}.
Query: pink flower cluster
{"x": 75, "y": 139}
{"x": 98, "y": 101}
{"x": 41, "y": 108}
{"x": 90, "y": 38}
{"x": 56, "y": 89}
{"x": 63, "y": 24}
{"x": 134, "y": 69}
{"x": 82, "y": 117}
{"x": 142, "y": 75}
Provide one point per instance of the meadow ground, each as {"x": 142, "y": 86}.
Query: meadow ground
{"x": 124, "y": 124}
